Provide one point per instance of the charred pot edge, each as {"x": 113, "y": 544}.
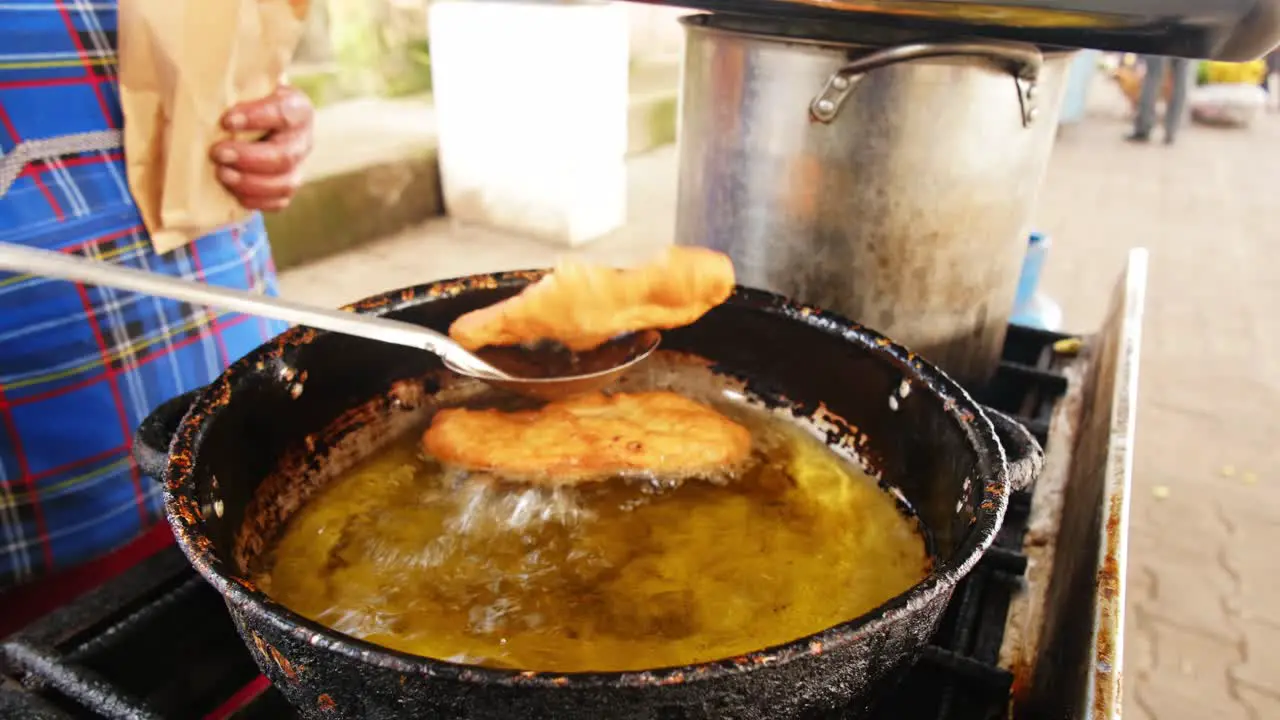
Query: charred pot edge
{"x": 244, "y": 597}
{"x": 1023, "y": 454}
{"x": 152, "y": 439}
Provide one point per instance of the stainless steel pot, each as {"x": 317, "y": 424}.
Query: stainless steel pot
{"x": 887, "y": 177}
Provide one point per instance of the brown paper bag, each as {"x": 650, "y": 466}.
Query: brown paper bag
{"x": 182, "y": 64}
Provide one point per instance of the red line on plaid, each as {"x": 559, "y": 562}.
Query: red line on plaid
{"x": 35, "y": 167}
{"x": 24, "y": 467}
{"x": 223, "y": 355}
{"x": 6, "y": 403}
{"x": 8, "y": 125}
{"x": 88, "y": 69}
{"x": 44, "y": 189}
{"x": 103, "y": 239}
{"x": 51, "y": 82}
{"x": 54, "y": 205}
{"x": 77, "y": 463}
{"x": 139, "y": 496}
{"x": 248, "y": 274}
{"x": 137, "y": 363}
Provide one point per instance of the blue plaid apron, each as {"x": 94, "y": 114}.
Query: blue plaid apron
{"x": 80, "y": 367}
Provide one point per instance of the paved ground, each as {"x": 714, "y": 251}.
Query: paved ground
{"x": 1203, "y": 635}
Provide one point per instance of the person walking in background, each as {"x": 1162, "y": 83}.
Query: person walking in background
{"x": 1152, "y": 84}
{"x": 1271, "y": 81}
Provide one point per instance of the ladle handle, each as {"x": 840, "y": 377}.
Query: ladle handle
{"x": 47, "y": 263}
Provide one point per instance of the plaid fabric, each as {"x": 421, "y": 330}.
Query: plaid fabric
{"x": 80, "y": 367}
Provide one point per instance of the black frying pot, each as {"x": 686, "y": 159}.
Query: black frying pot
{"x": 294, "y": 399}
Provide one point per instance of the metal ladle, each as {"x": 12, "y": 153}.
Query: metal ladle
{"x": 598, "y": 368}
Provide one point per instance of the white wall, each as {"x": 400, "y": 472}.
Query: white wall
{"x": 654, "y": 30}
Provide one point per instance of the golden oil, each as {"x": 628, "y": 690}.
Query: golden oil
{"x": 610, "y": 576}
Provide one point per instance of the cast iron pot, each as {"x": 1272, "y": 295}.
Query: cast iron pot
{"x": 291, "y": 402}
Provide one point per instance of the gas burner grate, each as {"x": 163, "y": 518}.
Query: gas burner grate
{"x": 958, "y": 677}
{"x": 129, "y": 650}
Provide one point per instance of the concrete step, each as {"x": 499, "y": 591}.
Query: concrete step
{"x": 375, "y": 171}
{"x": 442, "y": 248}
{"x": 655, "y": 92}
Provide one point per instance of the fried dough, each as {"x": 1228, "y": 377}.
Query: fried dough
{"x": 591, "y": 437}
{"x": 583, "y": 306}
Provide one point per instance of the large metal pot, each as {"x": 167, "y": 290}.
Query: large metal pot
{"x": 310, "y": 401}
{"x": 885, "y": 176}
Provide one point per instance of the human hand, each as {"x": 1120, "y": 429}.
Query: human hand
{"x": 264, "y": 174}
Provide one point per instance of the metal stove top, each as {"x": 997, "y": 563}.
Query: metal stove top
{"x": 1229, "y": 30}
{"x": 128, "y": 649}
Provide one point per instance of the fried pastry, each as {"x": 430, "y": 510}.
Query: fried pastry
{"x": 583, "y": 306}
{"x": 591, "y": 437}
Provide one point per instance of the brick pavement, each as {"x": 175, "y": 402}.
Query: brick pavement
{"x": 1203, "y": 635}
{"x": 1203, "y": 632}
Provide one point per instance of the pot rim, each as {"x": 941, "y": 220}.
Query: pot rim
{"x": 186, "y": 521}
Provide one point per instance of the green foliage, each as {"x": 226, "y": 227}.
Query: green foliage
{"x": 414, "y": 77}
{"x": 378, "y": 49}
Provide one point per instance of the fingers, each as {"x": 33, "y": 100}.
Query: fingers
{"x": 285, "y": 109}
{"x": 264, "y": 175}
{"x": 277, "y": 154}
{"x": 272, "y": 205}
{"x": 253, "y": 190}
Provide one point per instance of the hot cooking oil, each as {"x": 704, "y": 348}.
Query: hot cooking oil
{"x": 610, "y": 576}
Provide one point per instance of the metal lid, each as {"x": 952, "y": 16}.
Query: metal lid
{"x": 1230, "y": 30}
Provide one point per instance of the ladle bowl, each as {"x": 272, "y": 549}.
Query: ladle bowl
{"x": 550, "y": 371}
{"x": 546, "y": 372}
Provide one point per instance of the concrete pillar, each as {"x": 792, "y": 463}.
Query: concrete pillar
{"x": 531, "y": 100}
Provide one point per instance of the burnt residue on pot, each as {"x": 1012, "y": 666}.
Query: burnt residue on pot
{"x": 272, "y": 655}
{"x": 249, "y": 429}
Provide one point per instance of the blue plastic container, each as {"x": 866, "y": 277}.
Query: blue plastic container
{"x": 1084, "y": 67}
{"x": 1032, "y": 266}
{"x": 1030, "y": 308}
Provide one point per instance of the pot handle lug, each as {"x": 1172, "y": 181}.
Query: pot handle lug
{"x": 151, "y": 441}
{"x": 1022, "y": 452}
{"x": 1022, "y": 59}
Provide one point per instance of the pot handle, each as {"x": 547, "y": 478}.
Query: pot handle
{"x": 1022, "y": 453}
{"x": 1023, "y": 60}
{"x": 151, "y": 441}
